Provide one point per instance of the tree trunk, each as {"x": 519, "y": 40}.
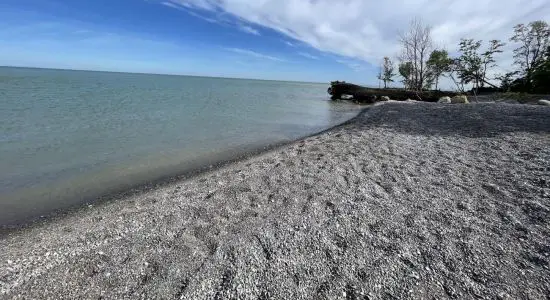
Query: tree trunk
{"x": 492, "y": 85}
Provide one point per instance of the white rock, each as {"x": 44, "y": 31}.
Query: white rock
{"x": 445, "y": 99}
{"x": 544, "y": 102}
{"x": 460, "y": 99}
{"x": 384, "y": 98}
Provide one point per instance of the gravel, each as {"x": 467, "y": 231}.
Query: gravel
{"x": 407, "y": 201}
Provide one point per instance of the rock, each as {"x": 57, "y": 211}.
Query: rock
{"x": 544, "y": 102}
{"x": 384, "y": 98}
{"x": 460, "y": 99}
{"x": 445, "y": 99}
{"x": 346, "y": 97}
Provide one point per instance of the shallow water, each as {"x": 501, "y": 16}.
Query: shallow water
{"x": 68, "y": 136}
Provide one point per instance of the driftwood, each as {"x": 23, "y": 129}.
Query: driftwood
{"x": 370, "y": 95}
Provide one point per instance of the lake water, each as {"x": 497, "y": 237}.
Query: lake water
{"x": 67, "y": 137}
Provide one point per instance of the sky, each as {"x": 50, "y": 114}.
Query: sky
{"x": 298, "y": 40}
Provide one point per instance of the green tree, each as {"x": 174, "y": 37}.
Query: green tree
{"x": 507, "y": 81}
{"x": 387, "y": 72}
{"x": 534, "y": 39}
{"x": 405, "y": 70}
{"x": 438, "y": 64}
{"x": 541, "y": 74}
{"x": 472, "y": 65}
{"x": 454, "y": 73}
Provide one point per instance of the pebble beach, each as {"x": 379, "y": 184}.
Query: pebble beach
{"x": 408, "y": 200}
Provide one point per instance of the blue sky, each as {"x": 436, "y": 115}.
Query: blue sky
{"x": 305, "y": 40}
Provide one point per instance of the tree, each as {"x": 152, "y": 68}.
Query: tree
{"x": 379, "y": 76}
{"x": 417, "y": 44}
{"x": 472, "y": 66}
{"x": 541, "y": 75}
{"x": 534, "y": 39}
{"x": 429, "y": 80}
{"x": 438, "y": 63}
{"x": 386, "y": 72}
{"x": 507, "y": 81}
{"x": 454, "y": 73}
{"x": 405, "y": 70}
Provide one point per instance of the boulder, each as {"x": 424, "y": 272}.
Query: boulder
{"x": 544, "y": 102}
{"x": 384, "y": 98}
{"x": 460, "y": 99}
{"x": 445, "y": 99}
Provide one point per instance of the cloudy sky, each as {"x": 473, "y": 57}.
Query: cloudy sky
{"x": 306, "y": 40}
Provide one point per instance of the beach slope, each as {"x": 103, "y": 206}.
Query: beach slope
{"x": 407, "y": 201}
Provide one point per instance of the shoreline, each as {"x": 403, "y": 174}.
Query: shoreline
{"x": 233, "y": 156}
{"x": 406, "y": 201}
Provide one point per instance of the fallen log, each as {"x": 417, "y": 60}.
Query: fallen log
{"x": 370, "y": 95}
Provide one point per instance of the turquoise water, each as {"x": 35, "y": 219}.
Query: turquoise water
{"x": 69, "y": 136}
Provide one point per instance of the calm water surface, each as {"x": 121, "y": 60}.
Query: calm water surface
{"x": 69, "y": 136}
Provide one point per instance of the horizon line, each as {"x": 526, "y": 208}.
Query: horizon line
{"x": 160, "y": 74}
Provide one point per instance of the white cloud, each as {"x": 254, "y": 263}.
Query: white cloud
{"x": 248, "y": 29}
{"x": 254, "y": 54}
{"x": 367, "y": 30}
{"x": 220, "y": 18}
{"x": 354, "y": 65}
{"x": 207, "y": 19}
{"x": 307, "y": 55}
{"x": 171, "y": 4}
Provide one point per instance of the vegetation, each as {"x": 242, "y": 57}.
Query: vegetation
{"x": 541, "y": 75}
{"x": 405, "y": 70}
{"x": 421, "y": 66}
{"x": 438, "y": 64}
{"x": 387, "y": 72}
{"x": 417, "y": 45}
{"x": 533, "y": 40}
{"x": 473, "y": 65}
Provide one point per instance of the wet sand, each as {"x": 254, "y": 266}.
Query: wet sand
{"x": 407, "y": 201}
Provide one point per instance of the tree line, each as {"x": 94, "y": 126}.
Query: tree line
{"x": 421, "y": 65}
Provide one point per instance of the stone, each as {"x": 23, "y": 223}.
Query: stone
{"x": 445, "y": 99}
{"x": 544, "y": 102}
{"x": 384, "y": 98}
{"x": 460, "y": 99}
